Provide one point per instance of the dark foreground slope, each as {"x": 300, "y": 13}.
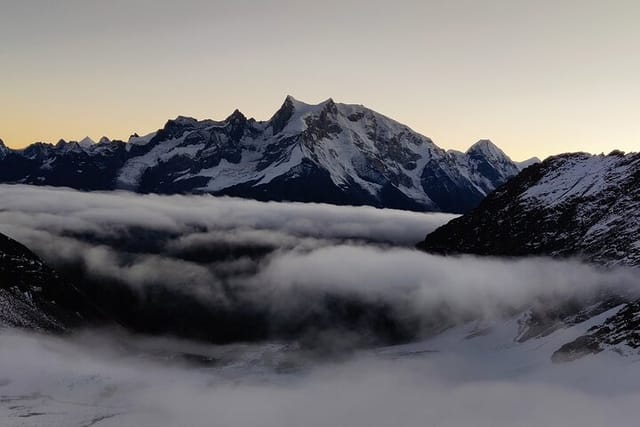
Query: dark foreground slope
{"x": 33, "y": 296}
{"x": 572, "y": 205}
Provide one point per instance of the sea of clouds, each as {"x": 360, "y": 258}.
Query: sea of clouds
{"x": 292, "y": 262}
{"x": 281, "y": 252}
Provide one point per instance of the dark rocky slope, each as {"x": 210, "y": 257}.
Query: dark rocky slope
{"x": 33, "y": 296}
{"x": 572, "y": 205}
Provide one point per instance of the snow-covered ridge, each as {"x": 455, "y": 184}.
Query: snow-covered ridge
{"x": 579, "y": 176}
{"x": 326, "y": 152}
{"x": 573, "y": 205}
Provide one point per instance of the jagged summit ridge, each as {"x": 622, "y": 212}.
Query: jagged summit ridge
{"x": 327, "y": 152}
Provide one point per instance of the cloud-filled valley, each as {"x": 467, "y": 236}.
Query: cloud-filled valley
{"x": 237, "y": 312}
{"x": 227, "y": 270}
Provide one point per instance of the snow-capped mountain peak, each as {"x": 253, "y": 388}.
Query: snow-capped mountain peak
{"x": 487, "y": 149}
{"x": 3, "y": 150}
{"x": 326, "y": 152}
{"x": 86, "y": 142}
{"x": 236, "y": 117}
{"x": 67, "y": 147}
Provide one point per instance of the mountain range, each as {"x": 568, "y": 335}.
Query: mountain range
{"x": 330, "y": 152}
{"x": 572, "y": 205}
{"x": 576, "y": 205}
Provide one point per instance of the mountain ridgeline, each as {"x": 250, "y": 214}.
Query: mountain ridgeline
{"x": 330, "y": 152}
{"x": 571, "y": 205}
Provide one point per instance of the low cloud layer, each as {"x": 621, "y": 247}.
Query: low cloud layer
{"x": 463, "y": 283}
{"x": 278, "y": 270}
{"x": 60, "y": 210}
{"x": 282, "y": 275}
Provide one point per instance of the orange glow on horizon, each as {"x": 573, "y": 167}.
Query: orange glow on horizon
{"x": 454, "y": 71}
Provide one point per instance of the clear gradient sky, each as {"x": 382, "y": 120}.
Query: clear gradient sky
{"x": 536, "y": 77}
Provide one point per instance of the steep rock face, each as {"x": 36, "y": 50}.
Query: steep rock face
{"x": 3, "y": 150}
{"x": 620, "y": 332}
{"x": 572, "y": 205}
{"x": 329, "y": 152}
{"x": 32, "y": 295}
